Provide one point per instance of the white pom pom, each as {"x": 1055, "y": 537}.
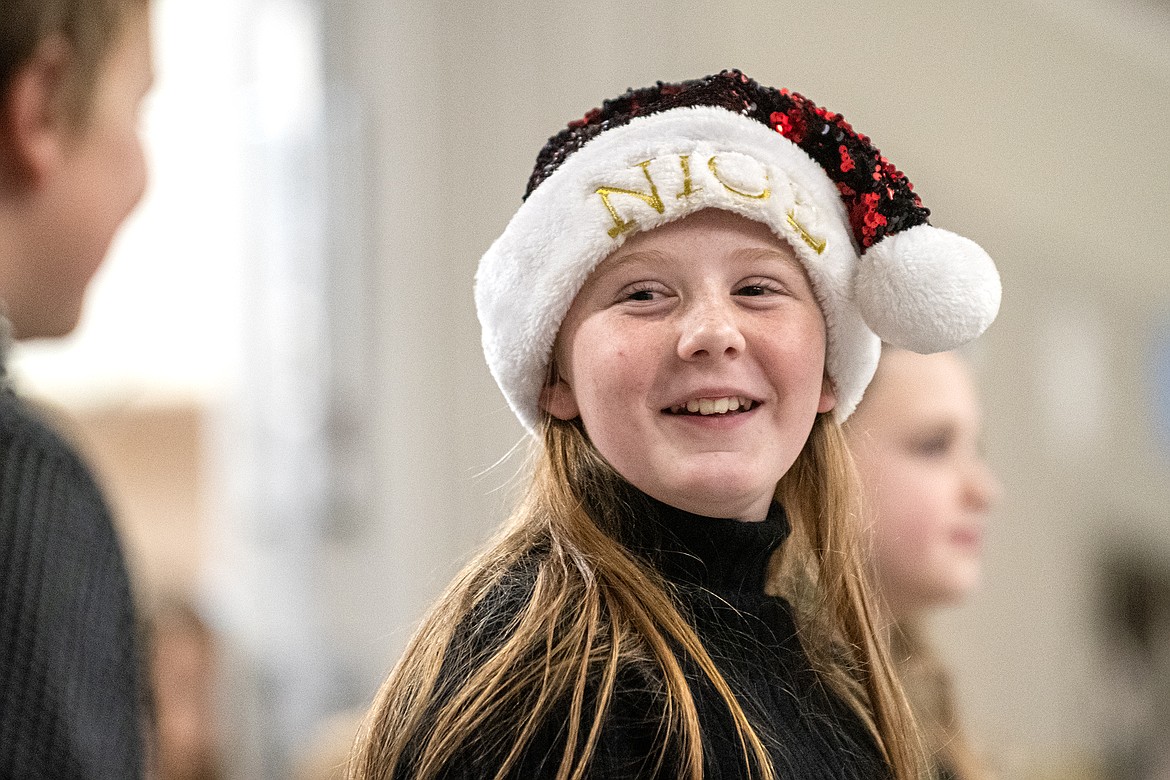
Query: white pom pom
{"x": 927, "y": 289}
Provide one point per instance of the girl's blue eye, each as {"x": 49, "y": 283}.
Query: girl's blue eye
{"x": 761, "y": 287}
{"x": 642, "y": 292}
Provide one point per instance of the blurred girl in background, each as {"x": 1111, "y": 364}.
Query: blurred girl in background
{"x": 916, "y": 441}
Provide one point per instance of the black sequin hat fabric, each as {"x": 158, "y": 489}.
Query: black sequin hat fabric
{"x": 879, "y": 198}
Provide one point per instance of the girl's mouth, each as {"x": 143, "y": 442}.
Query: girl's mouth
{"x": 708, "y": 406}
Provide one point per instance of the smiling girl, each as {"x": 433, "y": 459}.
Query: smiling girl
{"x": 687, "y": 304}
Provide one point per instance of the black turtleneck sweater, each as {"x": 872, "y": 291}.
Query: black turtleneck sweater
{"x": 716, "y": 569}
{"x": 71, "y": 696}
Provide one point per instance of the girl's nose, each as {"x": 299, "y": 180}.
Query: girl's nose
{"x": 709, "y": 329}
{"x": 982, "y": 486}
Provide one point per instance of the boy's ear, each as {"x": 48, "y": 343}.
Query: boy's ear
{"x": 558, "y": 400}
{"x": 33, "y": 112}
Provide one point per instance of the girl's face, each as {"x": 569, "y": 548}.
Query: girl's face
{"x": 694, "y": 356}
{"x": 915, "y": 438}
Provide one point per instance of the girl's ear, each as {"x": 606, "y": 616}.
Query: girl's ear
{"x": 34, "y": 115}
{"x": 558, "y": 400}
{"x": 828, "y": 396}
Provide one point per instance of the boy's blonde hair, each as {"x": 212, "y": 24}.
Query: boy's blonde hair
{"x": 89, "y": 28}
{"x": 595, "y": 608}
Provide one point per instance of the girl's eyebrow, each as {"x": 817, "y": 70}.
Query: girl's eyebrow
{"x": 768, "y": 253}
{"x": 658, "y": 256}
{"x": 638, "y": 256}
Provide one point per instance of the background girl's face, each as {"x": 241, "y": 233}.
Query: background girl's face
{"x": 694, "y": 356}
{"x": 915, "y": 438}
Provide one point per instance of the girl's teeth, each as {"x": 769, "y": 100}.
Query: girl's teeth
{"x": 707, "y": 406}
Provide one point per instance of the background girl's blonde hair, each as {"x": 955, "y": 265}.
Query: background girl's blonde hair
{"x": 932, "y": 698}
{"x": 594, "y": 608}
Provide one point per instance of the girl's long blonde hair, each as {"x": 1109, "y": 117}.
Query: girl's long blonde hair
{"x": 594, "y": 608}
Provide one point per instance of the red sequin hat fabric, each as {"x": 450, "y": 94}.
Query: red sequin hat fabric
{"x": 879, "y": 198}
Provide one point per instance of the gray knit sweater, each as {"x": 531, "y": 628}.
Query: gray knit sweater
{"x": 71, "y": 692}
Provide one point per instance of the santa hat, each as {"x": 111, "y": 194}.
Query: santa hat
{"x": 654, "y": 155}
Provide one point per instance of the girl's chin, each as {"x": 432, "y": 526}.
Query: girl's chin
{"x": 714, "y": 500}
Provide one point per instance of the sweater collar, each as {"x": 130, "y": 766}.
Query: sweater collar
{"x": 716, "y": 553}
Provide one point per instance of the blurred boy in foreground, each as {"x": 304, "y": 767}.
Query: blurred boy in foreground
{"x": 73, "y": 75}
